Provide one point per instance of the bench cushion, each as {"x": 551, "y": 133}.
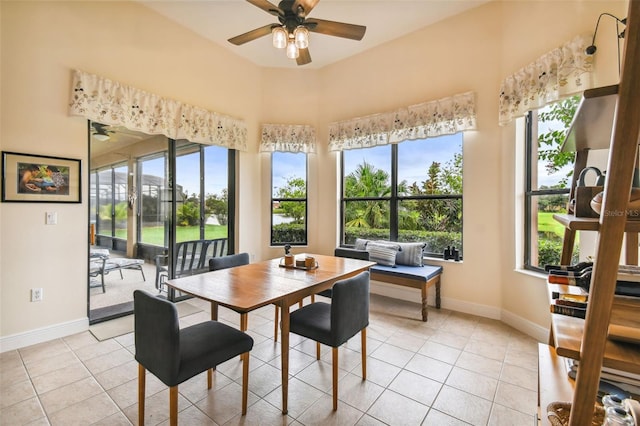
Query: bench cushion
{"x": 418, "y": 273}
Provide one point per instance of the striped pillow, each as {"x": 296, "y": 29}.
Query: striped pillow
{"x": 382, "y": 254}
{"x": 410, "y": 254}
{"x": 361, "y": 244}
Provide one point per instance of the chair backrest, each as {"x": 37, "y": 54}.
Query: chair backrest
{"x": 229, "y": 261}
{"x": 157, "y": 335}
{"x": 349, "y": 307}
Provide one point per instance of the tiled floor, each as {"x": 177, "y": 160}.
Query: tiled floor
{"x": 456, "y": 369}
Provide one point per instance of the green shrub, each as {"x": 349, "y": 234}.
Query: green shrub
{"x": 436, "y": 241}
{"x": 293, "y": 233}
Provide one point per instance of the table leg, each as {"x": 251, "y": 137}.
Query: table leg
{"x": 284, "y": 352}
{"x": 214, "y": 311}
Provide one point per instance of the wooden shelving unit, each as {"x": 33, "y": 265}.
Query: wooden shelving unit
{"x": 586, "y": 340}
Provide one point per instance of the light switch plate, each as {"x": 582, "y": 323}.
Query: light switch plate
{"x": 51, "y": 218}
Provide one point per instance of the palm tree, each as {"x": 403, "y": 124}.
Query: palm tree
{"x": 368, "y": 182}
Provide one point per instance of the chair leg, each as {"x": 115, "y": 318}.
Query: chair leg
{"x": 245, "y": 381}
{"x": 244, "y": 322}
{"x": 363, "y": 336}
{"x": 173, "y": 406}
{"x": 276, "y": 320}
{"x": 209, "y": 378}
{"x": 334, "y": 361}
{"x": 141, "y": 392}
{"x": 318, "y": 351}
{"x": 313, "y": 298}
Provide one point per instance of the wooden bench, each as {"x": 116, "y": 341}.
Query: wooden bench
{"x": 420, "y": 277}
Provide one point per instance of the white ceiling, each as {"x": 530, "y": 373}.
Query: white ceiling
{"x": 219, "y": 20}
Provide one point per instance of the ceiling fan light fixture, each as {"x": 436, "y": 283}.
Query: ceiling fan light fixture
{"x": 279, "y": 37}
{"x": 301, "y": 36}
{"x": 101, "y": 137}
{"x": 292, "y": 50}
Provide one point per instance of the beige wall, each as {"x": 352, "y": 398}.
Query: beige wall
{"x": 43, "y": 41}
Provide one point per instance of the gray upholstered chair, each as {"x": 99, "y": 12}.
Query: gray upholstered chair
{"x": 344, "y": 252}
{"x": 230, "y": 261}
{"x": 335, "y": 323}
{"x": 175, "y": 355}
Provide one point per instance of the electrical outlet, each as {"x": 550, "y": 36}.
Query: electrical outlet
{"x": 36, "y": 295}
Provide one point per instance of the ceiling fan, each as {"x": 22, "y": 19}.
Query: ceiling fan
{"x": 100, "y": 132}
{"x": 293, "y": 30}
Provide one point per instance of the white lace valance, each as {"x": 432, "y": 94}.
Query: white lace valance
{"x": 564, "y": 71}
{"x": 109, "y": 102}
{"x": 288, "y": 138}
{"x": 429, "y": 119}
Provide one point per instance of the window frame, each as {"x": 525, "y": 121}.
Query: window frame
{"x": 530, "y": 193}
{"x": 304, "y": 200}
{"x": 394, "y": 200}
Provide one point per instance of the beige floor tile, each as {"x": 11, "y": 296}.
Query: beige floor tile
{"x": 392, "y": 354}
{"x": 85, "y": 412}
{"x": 301, "y": 397}
{"x": 321, "y": 413}
{"x": 473, "y": 383}
{"x": 448, "y": 339}
{"x": 462, "y": 405}
{"x": 15, "y": 393}
{"x": 108, "y": 361}
{"x": 488, "y": 350}
{"x": 440, "y": 352}
{"x": 319, "y": 375}
{"x": 22, "y": 413}
{"x": 100, "y": 348}
{"x": 367, "y": 420}
{"x": 12, "y": 376}
{"x": 118, "y": 375}
{"x": 454, "y": 369}
{"x": 438, "y": 418}
{"x": 503, "y": 416}
{"x": 519, "y": 376}
{"x": 224, "y": 404}
{"x": 60, "y": 377}
{"x": 80, "y": 340}
{"x": 415, "y": 386}
{"x": 517, "y": 398}
{"x": 396, "y": 409}
{"x": 43, "y": 351}
{"x": 66, "y": 396}
{"x": 479, "y": 364}
{"x": 429, "y": 367}
{"x": 358, "y": 393}
{"x": 55, "y": 362}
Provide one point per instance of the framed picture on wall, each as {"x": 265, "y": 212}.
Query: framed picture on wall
{"x": 31, "y": 178}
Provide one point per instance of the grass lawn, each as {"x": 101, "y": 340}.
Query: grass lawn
{"x": 155, "y": 234}
{"x": 546, "y": 223}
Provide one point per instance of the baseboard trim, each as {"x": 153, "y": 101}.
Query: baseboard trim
{"x": 413, "y": 295}
{"x": 40, "y": 335}
{"x": 541, "y": 334}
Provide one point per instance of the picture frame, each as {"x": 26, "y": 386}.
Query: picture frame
{"x": 29, "y": 178}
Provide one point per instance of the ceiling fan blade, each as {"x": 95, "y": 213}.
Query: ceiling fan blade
{"x": 337, "y": 29}
{"x": 304, "y": 57}
{"x": 303, "y": 7}
{"x": 267, "y": 7}
{"x": 251, "y": 35}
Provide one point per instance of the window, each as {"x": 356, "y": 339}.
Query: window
{"x": 411, "y": 191}
{"x": 288, "y": 198}
{"x": 547, "y": 180}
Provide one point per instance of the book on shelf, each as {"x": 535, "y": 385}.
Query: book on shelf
{"x": 571, "y": 311}
{"x": 629, "y": 382}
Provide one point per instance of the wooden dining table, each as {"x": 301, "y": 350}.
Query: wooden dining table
{"x": 249, "y": 287}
